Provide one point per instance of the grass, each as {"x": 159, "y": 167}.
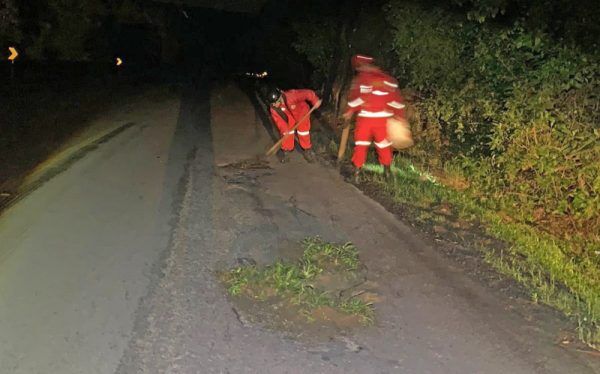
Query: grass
{"x": 343, "y": 256}
{"x": 297, "y": 282}
{"x": 538, "y": 260}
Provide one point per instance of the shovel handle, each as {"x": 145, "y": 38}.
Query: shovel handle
{"x": 276, "y": 146}
{"x": 343, "y": 142}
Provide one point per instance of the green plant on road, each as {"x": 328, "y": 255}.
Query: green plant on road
{"x": 297, "y": 282}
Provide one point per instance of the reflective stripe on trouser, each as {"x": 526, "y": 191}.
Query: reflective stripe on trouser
{"x": 368, "y": 129}
{"x": 303, "y": 133}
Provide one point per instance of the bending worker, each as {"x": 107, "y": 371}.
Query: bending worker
{"x": 287, "y": 107}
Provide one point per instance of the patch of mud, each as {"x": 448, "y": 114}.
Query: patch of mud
{"x": 337, "y": 283}
{"x": 333, "y": 316}
{"x": 456, "y": 238}
{"x": 251, "y": 164}
{"x": 289, "y": 251}
{"x": 277, "y": 314}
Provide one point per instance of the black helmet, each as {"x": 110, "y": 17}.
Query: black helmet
{"x": 274, "y": 95}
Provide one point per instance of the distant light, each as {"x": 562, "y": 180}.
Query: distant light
{"x": 13, "y": 54}
{"x": 258, "y": 75}
{"x": 118, "y": 61}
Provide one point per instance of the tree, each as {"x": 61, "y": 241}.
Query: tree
{"x": 67, "y": 28}
{"x": 572, "y": 21}
{"x": 9, "y": 22}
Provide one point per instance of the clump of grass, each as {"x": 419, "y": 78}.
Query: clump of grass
{"x": 538, "y": 260}
{"x": 359, "y": 308}
{"x": 318, "y": 252}
{"x": 239, "y": 278}
{"x": 296, "y": 282}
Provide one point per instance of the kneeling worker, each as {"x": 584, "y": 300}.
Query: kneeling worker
{"x": 287, "y": 107}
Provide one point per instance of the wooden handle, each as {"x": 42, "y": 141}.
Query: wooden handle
{"x": 276, "y": 146}
{"x": 343, "y": 143}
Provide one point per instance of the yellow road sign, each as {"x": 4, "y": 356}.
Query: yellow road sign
{"x": 13, "y": 54}
{"x": 119, "y": 61}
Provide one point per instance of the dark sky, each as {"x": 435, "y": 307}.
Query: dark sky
{"x": 246, "y": 6}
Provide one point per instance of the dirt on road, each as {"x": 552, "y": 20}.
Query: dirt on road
{"x": 430, "y": 317}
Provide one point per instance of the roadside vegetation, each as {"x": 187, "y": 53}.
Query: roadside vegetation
{"x": 505, "y": 107}
{"x": 535, "y": 259}
{"x": 308, "y": 283}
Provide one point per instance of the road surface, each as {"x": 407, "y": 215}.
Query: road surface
{"x": 80, "y": 251}
{"x": 110, "y": 266}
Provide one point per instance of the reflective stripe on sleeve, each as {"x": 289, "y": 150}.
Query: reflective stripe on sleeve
{"x": 395, "y": 104}
{"x": 291, "y": 132}
{"x": 362, "y": 142}
{"x": 380, "y": 93}
{"x": 366, "y": 89}
{"x": 391, "y": 84}
{"x": 356, "y": 102}
{"x": 382, "y": 114}
{"x": 303, "y": 133}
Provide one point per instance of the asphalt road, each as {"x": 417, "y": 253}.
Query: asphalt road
{"x": 110, "y": 266}
{"x": 79, "y": 252}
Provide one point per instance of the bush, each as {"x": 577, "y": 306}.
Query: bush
{"x": 510, "y": 104}
{"x": 517, "y": 110}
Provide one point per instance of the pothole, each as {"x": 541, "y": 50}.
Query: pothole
{"x": 322, "y": 293}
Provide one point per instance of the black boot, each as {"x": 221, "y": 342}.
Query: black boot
{"x": 346, "y": 169}
{"x": 387, "y": 173}
{"x": 309, "y": 155}
{"x": 356, "y": 174}
{"x": 283, "y": 157}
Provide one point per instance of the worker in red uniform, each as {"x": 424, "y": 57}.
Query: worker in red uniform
{"x": 287, "y": 107}
{"x": 374, "y": 97}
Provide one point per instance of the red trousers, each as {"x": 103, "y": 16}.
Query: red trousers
{"x": 368, "y": 130}
{"x": 303, "y": 132}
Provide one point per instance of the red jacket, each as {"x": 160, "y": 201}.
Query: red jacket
{"x": 375, "y": 94}
{"x": 296, "y": 102}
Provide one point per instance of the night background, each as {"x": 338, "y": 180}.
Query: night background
{"x": 503, "y": 100}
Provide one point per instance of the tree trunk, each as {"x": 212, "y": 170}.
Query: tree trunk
{"x": 328, "y": 93}
{"x": 343, "y": 73}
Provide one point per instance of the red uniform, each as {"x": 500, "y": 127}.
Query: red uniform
{"x": 375, "y": 97}
{"x": 292, "y": 108}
